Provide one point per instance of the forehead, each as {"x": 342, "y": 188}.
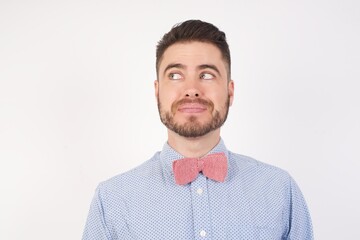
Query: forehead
{"x": 192, "y": 54}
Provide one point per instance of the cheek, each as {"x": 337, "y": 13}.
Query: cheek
{"x": 166, "y": 100}
{"x": 221, "y": 102}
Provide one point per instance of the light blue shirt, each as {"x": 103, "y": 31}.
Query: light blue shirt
{"x": 256, "y": 201}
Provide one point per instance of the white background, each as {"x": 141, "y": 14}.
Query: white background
{"x": 77, "y": 102}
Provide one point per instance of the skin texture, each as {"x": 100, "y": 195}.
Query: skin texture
{"x": 194, "y": 95}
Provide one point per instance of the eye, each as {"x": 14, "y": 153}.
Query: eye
{"x": 175, "y": 76}
{"x": 207, "y": 76}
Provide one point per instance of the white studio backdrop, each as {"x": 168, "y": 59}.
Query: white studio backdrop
{"x": 77, "y": 102}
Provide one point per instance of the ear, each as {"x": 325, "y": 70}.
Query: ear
{"x": 231, "y": 91}
{"x": 156, "y": 86}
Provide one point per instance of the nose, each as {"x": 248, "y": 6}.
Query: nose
{"x": 192, "y": 89}
{"x": 192, "y": 93}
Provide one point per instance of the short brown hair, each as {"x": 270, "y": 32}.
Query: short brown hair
{"x": 194, "y": 30}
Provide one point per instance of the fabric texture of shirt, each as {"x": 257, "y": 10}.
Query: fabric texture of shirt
{"x": 256, "y": 201}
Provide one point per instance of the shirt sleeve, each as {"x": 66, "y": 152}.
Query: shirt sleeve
{"x": 299, "y": 225}
{"x": 95, "y": 228}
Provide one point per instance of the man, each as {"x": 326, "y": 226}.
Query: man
{"x": 195, "y": 188}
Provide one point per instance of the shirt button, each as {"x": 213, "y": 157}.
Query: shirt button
{"x": 199, "y": 191}
{"x": 202, "y": 233}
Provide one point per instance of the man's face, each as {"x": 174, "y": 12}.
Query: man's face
{"x": 192, "y": 89}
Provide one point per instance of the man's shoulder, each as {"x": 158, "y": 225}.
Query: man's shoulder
{"x": 137, "y": 175}
{"x": 249, "y": 166}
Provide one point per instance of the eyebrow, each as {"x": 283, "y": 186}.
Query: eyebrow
{"x": 211, "y": 66}
{"x": 201, "y": 67}
{"x": 174, "y": 65}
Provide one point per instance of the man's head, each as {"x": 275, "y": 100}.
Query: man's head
{"x": 193, "y": 89}
{"x": 194, "y": 30}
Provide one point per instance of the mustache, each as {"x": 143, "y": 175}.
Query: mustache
{"x": 201, "y": 101}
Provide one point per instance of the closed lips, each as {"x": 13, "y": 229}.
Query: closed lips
{"x": 192, "y": 107}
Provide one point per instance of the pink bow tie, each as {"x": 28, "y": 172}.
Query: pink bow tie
{"x": 213, "y": 166}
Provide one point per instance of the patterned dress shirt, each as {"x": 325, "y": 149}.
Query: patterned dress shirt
{"x": 256, "y": 201}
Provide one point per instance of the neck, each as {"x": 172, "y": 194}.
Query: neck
{"x": 194, "y": 147}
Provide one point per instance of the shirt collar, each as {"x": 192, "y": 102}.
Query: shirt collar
{"x": 168, "y": 155}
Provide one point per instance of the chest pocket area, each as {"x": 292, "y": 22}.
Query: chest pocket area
{"x": 246, "y": 232}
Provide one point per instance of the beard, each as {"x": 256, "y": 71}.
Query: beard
{"x": 193, "y": 128}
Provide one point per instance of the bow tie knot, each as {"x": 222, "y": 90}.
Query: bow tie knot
{"x": 213, "y": 166}
{"x": 200, "y": 164}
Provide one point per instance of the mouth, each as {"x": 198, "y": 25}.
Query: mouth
{"x": 192, "y": 108}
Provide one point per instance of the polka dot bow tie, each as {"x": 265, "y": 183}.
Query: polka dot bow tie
{"x": 213, "y": 166}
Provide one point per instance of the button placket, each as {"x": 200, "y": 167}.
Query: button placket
{"x": 200, "y": 205}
